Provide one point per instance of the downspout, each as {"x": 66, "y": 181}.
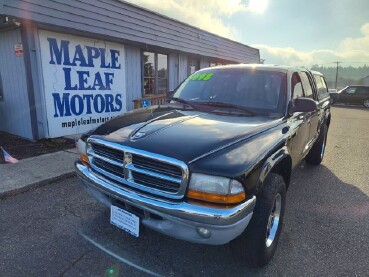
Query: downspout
{"x": 27, "y": 34}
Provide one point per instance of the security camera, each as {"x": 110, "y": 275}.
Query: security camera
{"x": 16, "y": 23}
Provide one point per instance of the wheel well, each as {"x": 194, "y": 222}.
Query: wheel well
{"x": 328, "y": 120}
{"x": 283, "y": 168}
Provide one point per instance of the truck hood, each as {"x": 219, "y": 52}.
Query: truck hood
{"x": 181, "y": 134}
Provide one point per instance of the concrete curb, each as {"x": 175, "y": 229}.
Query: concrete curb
{"x": 36, "y": 172}
{"x": 36, "y": 185}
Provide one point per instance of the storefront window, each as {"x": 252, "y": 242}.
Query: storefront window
{"x": 149, "y": 73}
{"x": 155, "y": 73}
{"x": 162, "y": 74}
{"x": 193, "y": 65}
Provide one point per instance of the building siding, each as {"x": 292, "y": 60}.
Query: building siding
{"x": 204, "y": 63}
{"x": 172, "y": 71}
{"x": 183, "y": 70}
{"x": 133, "y": 75}
{"x": 127, "y": 22}
{"x": 14, "y": 109}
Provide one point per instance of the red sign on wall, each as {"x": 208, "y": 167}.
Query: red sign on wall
{"x": 18, "y": 48}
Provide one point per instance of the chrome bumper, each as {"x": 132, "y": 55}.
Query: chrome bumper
{"x": 181, "y": 220}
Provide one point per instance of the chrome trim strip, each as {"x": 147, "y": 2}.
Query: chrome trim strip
{"x": 128, "y": 167}
{"x": 108, "y": 174}
{"x": 153, "y": 174}
{"x": 92, "y": 153}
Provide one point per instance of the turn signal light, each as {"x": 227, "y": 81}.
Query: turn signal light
{"x": 216, "y": 198}
{"x": 84, "y": 159}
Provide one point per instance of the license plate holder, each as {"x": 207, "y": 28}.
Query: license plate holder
{"x": 125, "y": 220}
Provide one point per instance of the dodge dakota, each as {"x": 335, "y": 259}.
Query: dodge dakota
{"x": 213, "y": 164}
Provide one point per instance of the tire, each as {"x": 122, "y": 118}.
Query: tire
{"x": 316, "y": 153}
{"x": 257, "y": 244}
{"x": 366, "y": 103}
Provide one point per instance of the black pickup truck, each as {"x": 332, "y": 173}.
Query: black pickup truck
{"x": 212, "y": 165}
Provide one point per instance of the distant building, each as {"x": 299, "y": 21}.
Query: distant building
{"x": 68, "y": 66}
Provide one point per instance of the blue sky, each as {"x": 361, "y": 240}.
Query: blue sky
{"x": 286, "y": 31}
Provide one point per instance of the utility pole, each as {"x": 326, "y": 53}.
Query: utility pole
{"x": 336, "y": 73}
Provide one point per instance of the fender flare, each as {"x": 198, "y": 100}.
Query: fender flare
{"x": 271, "y": 163}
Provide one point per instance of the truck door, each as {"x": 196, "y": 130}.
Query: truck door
{"x": 299, "y": 126}
{"x": 310, "y": 92}
{"x": 348, "y": 95}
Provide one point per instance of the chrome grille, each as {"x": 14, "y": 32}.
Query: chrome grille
{"x": 160, "y": 167}
{"x": 154, "y": 182}
{"x": 108, "y": 152}
{"x": 128, "y": 167}
{"x": 111, "y": 168}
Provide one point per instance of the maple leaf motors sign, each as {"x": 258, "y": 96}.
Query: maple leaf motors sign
{"x": 84, "y": 82}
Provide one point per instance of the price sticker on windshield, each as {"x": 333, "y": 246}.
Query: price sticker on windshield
{"x": 201, "y": 77}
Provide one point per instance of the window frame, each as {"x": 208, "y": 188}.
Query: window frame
{"x": 302, "y": 75}
{"x": 293, "y": 84}
{"x": 156, "y": 71}
{"x": 319, "y": 79}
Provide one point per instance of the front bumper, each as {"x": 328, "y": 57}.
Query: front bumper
{"x": 181, "y": 220}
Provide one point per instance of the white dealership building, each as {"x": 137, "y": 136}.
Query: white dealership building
{"x": 68, "y": 66}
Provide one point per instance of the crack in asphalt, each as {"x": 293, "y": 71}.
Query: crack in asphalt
{"x": 79, "y": 258}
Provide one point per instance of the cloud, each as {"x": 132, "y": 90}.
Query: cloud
{"x": 349, "y": 50}
{"x": 206, "y": 15}
{"x": 210, "y": 16}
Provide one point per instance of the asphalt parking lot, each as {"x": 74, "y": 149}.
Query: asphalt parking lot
{"x": 58, "y": 230}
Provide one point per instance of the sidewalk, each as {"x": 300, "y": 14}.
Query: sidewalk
{"x": 35, "y": 172}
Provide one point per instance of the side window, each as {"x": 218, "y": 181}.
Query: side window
{"x": 306, "y": 85}
{"x": 351, "y": 90}
{"x": 321, "y": 87}
{"x": 297, "y": 90}
{"x": 363, "y": 90}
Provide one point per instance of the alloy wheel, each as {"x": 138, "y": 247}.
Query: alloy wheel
{"x": 273, "y": 221}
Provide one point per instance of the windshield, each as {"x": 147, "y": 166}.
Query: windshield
{"x": 263, "y": 92}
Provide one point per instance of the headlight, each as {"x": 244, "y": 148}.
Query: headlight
{"x": 82, "y": 150}
{"x": 215, "y": 189}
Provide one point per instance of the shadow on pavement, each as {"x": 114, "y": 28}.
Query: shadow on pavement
{"x": 325, "y": 232}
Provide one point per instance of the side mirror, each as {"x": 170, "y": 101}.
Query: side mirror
{"x": 170, "y": 93}
{"x": 301, "y": 105}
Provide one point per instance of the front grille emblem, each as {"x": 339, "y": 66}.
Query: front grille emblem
{"x": 127, "y": 158}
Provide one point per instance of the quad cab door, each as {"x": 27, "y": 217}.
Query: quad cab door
{"x": 315, "y": 116}
{"x": 299, "y": 123}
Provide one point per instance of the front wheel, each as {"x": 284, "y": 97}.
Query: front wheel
{"x": 257, "y": 244}
{"x": 366, "y": 103}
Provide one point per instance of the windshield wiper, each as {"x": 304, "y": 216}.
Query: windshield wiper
{"x": 180, "y": 100}
{"x": 229, "y": 105}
